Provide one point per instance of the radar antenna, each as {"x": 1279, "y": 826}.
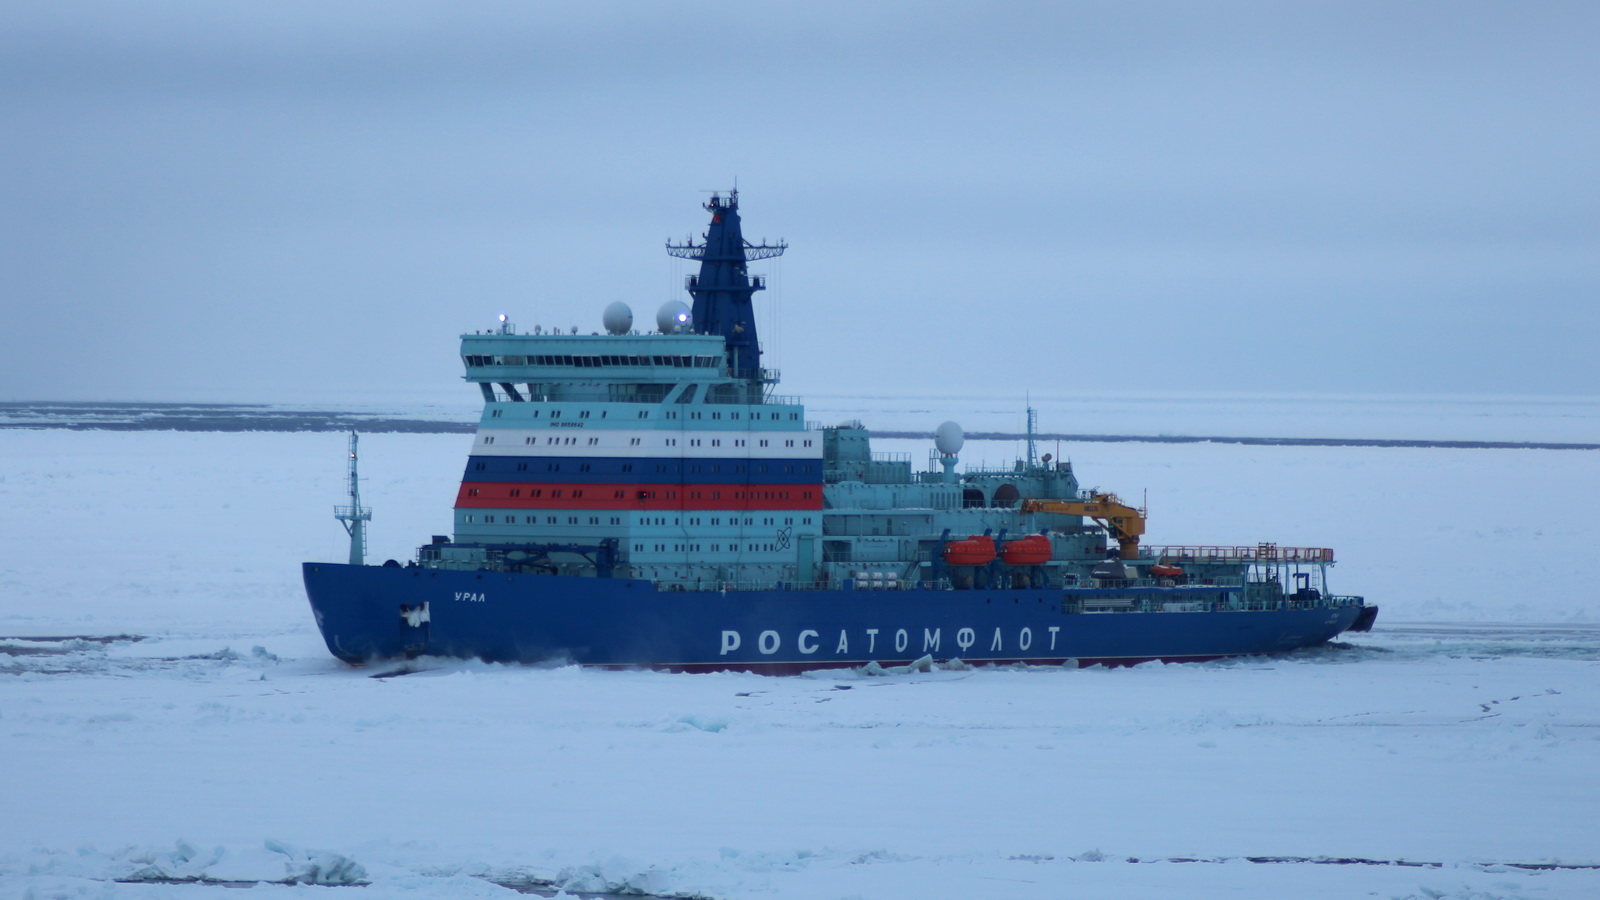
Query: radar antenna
{"x": 752, "y": 252}
{"x": 355, "y": 517}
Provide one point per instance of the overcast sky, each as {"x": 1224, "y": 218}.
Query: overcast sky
{"x": 290, "y": 201}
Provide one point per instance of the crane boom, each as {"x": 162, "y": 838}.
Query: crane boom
{"x": 1125, "y": 523}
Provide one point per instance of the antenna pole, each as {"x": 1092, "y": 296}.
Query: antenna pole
{"x": 355, "y": 517}
{"x": 1033, "y": 431}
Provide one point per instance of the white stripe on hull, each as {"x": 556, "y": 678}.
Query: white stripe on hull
{"x": 632, "y": 443}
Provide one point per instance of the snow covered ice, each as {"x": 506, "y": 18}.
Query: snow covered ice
{"x": 170, "y": 722}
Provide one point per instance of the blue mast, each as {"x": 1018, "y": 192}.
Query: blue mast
{"x": 723, "y": 289}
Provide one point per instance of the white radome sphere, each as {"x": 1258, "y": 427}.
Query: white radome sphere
{"x": 673, "y": 317}
{"x": 618, "y": 318}
{"x": 949, "y": 438}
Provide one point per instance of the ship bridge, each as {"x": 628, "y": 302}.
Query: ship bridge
{"x": 628, "y": 368}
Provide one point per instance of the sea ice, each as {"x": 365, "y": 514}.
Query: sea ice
{"x": 1432, "y": 755}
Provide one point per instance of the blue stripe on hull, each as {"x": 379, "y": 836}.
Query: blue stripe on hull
{"x": 643, "y": 470}
{"x": 622, "y": 622}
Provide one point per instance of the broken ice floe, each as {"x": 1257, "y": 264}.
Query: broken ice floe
{"x": 273, "y": 862}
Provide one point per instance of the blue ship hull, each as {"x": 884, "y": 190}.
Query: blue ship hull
{"x": 369, "y": 613}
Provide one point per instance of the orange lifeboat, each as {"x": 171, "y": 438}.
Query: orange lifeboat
{"x": 1165, "y": 570}
{"x": 1032, "y": 550}
{"x": 976, "y": 550}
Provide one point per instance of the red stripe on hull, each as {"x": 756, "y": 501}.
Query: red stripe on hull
{"x": 492, "y": 495}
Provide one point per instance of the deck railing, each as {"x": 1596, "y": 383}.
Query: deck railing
{"x": 1259, "y": 553}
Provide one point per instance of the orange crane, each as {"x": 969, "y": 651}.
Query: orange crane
{"x": 1124, "y": 522}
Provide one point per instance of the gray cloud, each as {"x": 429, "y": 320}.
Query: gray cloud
{"x": 276, "y": 201}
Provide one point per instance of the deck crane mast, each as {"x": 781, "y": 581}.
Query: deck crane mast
{"x": 1125, "y": 523}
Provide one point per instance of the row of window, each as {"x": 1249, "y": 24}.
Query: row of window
{"x": 645, "y": 414}
{"x": 748, "y": 520}
{"x": 490, "y": 519}
{"x": 594, "y": 362}
{"x": 554, "y": 413}
{"x": 563, "y": 441}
